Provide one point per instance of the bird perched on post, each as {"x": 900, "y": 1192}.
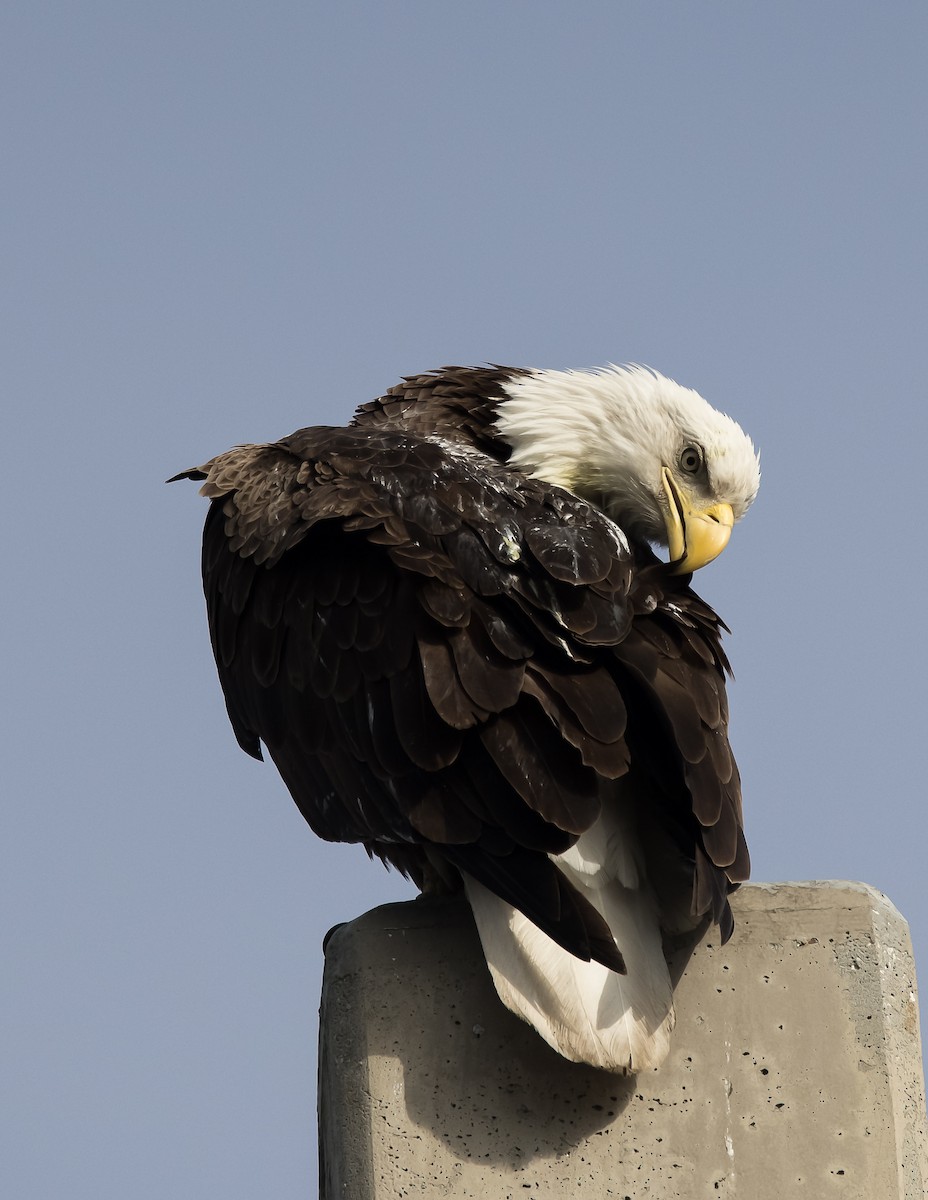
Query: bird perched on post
{"x": 447, "y": 626}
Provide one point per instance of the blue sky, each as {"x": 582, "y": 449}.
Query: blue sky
{"x": 226, "y": 221}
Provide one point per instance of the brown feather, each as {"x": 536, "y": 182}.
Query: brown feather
{"x": 453, "y": 663}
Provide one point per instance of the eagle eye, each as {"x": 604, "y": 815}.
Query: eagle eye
{"x": 691, "y": 459}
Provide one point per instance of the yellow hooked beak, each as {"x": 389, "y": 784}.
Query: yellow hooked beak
{"x": 694, "y": 535}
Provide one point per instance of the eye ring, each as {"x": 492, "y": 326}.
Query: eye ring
{"x": 691, "y": 460}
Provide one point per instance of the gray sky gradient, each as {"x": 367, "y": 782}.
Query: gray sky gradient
{"x": 222, "y": 222}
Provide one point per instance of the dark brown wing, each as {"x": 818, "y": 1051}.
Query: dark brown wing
{"x": 451, "y": 664}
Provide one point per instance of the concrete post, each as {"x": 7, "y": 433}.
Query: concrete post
{"x": 795, "y": 1070}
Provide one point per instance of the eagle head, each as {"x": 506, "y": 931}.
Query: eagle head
{"x": 656, "y": 457}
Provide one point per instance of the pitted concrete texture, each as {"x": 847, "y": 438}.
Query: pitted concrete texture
{"x": 795, "y": 1069}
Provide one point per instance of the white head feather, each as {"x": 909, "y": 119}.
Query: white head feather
{"x": 606, "y": 435}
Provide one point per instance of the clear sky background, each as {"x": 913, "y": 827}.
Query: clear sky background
{"x": 223, "y": 221}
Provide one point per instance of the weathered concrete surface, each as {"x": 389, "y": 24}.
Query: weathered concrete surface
{"x": 796, "y": 1066}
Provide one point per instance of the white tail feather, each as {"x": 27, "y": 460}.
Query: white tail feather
{"x": 586, "y": 1012}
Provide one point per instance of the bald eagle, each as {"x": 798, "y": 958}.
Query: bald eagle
{"x": 447, "y": 626}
